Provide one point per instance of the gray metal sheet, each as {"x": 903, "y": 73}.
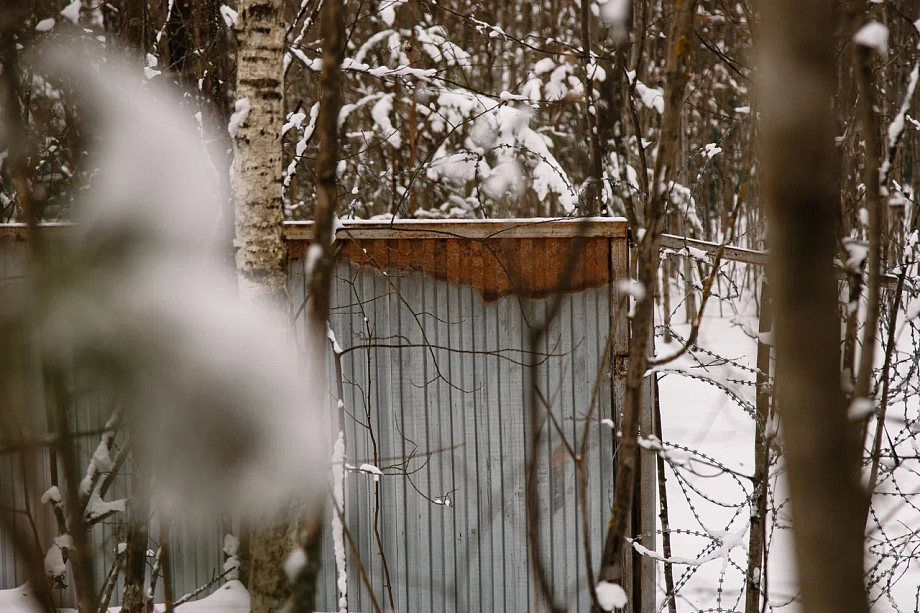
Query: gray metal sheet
{"x": 447, "y": 412}
{"x": 444, "y": 416}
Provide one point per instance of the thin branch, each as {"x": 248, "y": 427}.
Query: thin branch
{"x": 190, "y": 596}
{"x": 886, "y": 378}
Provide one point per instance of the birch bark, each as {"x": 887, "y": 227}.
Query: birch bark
{"x": 261, "y": 252}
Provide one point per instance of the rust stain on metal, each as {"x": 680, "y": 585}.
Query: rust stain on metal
{"x": 496, "y": 267}
{"x": 297, "y": 249}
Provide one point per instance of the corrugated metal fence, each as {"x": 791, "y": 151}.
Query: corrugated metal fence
{"x": 436, "y": 321}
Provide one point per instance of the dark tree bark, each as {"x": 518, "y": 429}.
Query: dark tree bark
{"x": 797, "y": 66}
{"x": 133, "y": 598}
{"x": 136, "y": 21}
{"x": 332, "y": 24}
{"x": 680, "y": 48}
{"x": 133, "y": 601}
{"x": 757, "y": 537}
{"x": 180, "y": 43}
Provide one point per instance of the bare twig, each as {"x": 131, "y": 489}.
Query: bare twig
{"x": 876, "y": 455}
{"x": 191, "y": 595}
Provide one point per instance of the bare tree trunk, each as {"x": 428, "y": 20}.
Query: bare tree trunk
{"x": 680, "y": 47}
{"x": 868, "y": 117}
{"x": 133, "y": 598}
{"x": 663, "y": 514}
{"x": 591, "y": 204}
{"x": 136, "y": 26}
{"x": 332, "y": 24}
{"x": 757, "y": 561}
{"x": 261, "y": 256}
{"x": 333, "y": 32}
{"x": 828, "y": 503}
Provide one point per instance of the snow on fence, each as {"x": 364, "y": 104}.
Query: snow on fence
{"x": 435, "y": 322}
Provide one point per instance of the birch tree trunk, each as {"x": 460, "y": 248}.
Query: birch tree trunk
{"x": 797, "y": 84}
{"x": 261, "y": 256}
{"x": 261, "y": 253}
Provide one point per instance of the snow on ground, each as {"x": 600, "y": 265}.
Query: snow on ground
{"x": 707, "y": 506}
{"x": 709, "y": 436}
{"x": 707, "y": 509}
{"x": 231, "y": 597}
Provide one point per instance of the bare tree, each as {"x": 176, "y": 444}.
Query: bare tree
{"x": 332, "y": 24}
{"x": 678, "y": 58}
{"x": 797, "y": 55}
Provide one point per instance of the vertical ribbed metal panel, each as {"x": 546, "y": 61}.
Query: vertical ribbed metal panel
{"x": 435, "y": 390}
{"x": 197, "y": 551}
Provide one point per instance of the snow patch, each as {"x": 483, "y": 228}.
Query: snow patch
{"x": 711, "y": 150}
{"x": 301, "y": 146}
{"x": 65, "y": 541}
{"x": 388, "y": 11}
{"x": 857, "y": 252}
{"x": 53, "y": 495}
{"x": 295, "y": 563}
{"x": 371, "y": 470}
{"x": 632, "y": 288}
{"x": 860, "y": 408}
{"x": 230, "y": 16}
{"x": 338, "y": 528}
{"x": 149, "y": 69}
{"x": 19, "y": 600}
{"x": 610, "y": 596}
{"x": 652, "y": 97}
{"x": 71, "y": 12}
{"x": 380, "y": 113}
{"x": 873, "y": 35}
{"x": 543, "y": 66}
{"x": 295, "y": 120}
{"x": 54, "y": 562}
{"x": 240, "y": 113}
{"x": 97, "y": 507}
{"x": 231, "y": 549}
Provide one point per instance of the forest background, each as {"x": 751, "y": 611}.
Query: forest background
{"x": 646, "y": 110}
